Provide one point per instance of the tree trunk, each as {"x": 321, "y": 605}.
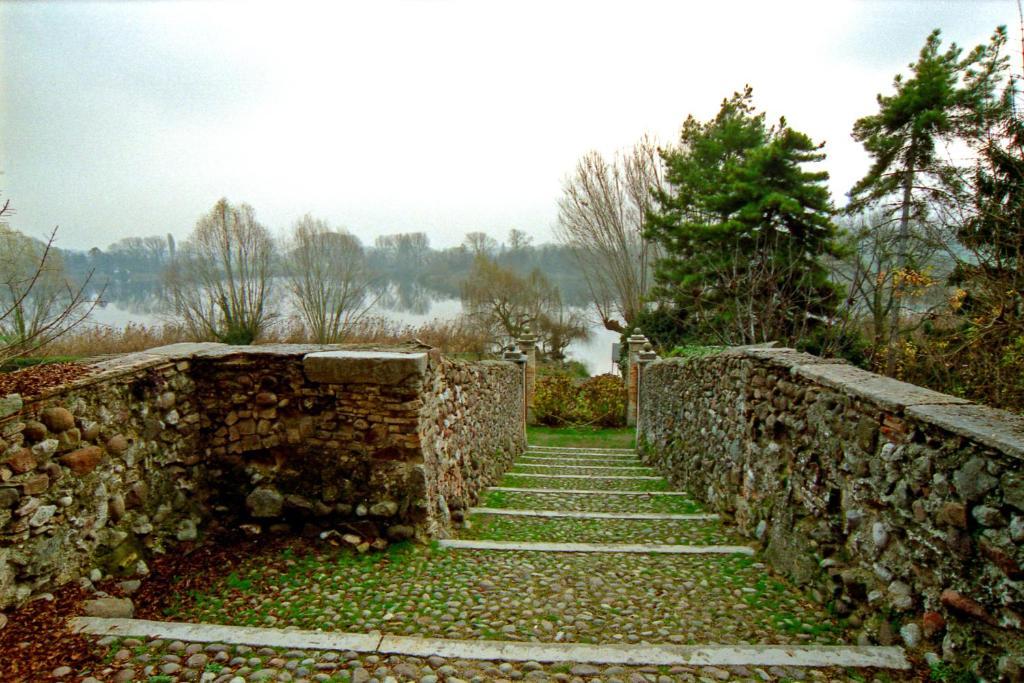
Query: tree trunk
{"x": 902, "y": 249}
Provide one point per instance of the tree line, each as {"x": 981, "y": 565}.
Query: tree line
{"x": 729, "y": 235}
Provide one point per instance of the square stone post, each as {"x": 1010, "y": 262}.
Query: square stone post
{"x": 519, "y": 359}
{"x": 636, "y": 342}
{"x": 645, "y": 357}
{"x": 528, "y": 345}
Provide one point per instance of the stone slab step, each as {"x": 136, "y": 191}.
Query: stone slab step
{"x": 623, "y": 461}
{"x": 638, "y": 655}
{"x": 594, "y": 515}
{"x": 520, "y": 489}
{"x": 578, "y": 449}
{"x": 586, "y": 476}
{"x": 520, "y": 463}
{"x": 611, "y": 457}
{"x": 644, "y": 548}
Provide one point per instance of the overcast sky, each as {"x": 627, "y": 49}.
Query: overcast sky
{"x": 121, "y": 119}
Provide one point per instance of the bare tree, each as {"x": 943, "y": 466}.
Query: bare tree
{"x": 220, "y": 281}
{"x": 503, "y": 304}
{"x": 480, "y": 243}
{"x": 602, "y": 216}
{"x": 38, "y": 302}
{"x": 328, "y": 279}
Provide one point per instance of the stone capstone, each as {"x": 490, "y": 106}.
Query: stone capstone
{"x": 364, "y": 367}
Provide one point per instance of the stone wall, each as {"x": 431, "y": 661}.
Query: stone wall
{"x": 902, "y": 507}
{"x": 158, "y": 447}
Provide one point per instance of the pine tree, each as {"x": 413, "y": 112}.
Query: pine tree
{"x": 745, "y": 227}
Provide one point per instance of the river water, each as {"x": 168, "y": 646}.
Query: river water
{"x": 595, "y": 353}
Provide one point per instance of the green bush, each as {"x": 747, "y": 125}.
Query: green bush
{"x": 559, "y": 400}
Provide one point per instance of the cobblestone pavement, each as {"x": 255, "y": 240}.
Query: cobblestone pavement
{"x": 506, "y": 595}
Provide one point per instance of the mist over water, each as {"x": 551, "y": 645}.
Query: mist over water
{"x": 146, "y": 309}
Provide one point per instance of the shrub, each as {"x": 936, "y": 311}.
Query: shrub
{"x": 559, "y": 400}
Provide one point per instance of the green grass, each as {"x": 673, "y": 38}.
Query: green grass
{"x": 582, "y": 437}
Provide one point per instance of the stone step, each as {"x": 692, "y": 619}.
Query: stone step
{"x": 590, "y": 456}
{"x": 642, "y": 548}
{"x": 512, "y": 651}
{"x": 587, "y": 476}
{"x": 523, "y": 489}
{"x": 593, "y": 515}
{"x": 577, "y": 449}
{"x": 612, "y": 462}
{"x": 580, "y": 467}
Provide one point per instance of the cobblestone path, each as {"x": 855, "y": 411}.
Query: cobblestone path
{"x": 581, "y": 565}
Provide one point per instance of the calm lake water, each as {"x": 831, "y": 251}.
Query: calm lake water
{"x": 596, "y": 352}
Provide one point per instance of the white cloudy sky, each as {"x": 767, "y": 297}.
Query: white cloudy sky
{"x": 121, "y": 118}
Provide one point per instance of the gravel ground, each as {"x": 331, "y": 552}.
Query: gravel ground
{"x": 161, "y": 661}
{"x": 593, "y": 483}
{"x": 518, "y": 595}
{"x": 500, "y": 595}
{"x": 565, "y": 530}
{"x": 583, "y": 502}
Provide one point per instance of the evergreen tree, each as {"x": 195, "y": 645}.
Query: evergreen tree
{"x": 932, "y": 106}
{"x": 744, "y": 227}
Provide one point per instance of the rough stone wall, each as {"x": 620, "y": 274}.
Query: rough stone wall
{"x": 158, "y": 447}
{"x": 901, "y": 506}
{"x": 466, "y": 448}
{"x": 97, "y": 474}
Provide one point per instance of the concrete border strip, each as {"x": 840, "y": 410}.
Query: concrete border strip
{"x": 582, "y": 476}
{"x": 520, "y": 463}
{"x": 517, "y": 651}
{"x": 254, "y": 636}
{"x": 521, "y": 489}
{"x": 511, "y": 512}
{"x": 630, "y": 548}
{"x": 595, "y": 458}
{"x": 651, "y": 655}
{"x": 567, "y": 449}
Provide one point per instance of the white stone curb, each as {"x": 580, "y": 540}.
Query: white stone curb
{"x": 593, "y": 515}
{"x": 618, "y": 468}
{"x": 632, "y": 548}
{"x": 229, "y": 635}
{"x": 583, "y": 476}
{"x": 573, "y": 449}
{"x": 639, "y": 655}
{"x": 518, "y": 489}
{"x": 550, "y": 455}
{"x": 581, "y": 458}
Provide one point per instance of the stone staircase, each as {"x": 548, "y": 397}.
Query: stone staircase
{"x": 581, "y": 565}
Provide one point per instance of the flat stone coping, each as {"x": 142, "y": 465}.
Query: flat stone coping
{"x": 570, "y": 514}
{"x": 519, "y": 489}
{"x": 992, "y": 427}
{"x": 583, "y": 476}
{"x": 510, "y": 651}
{"x": 363, "y": 367}
{"x": 588, "y": 467}
{"x": 633, "y": 548}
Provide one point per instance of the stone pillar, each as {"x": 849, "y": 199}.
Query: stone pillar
{"x": 646, "y": 356}
{"x": 528, "y": 345}
{"x": 519, "y": 359}
{"x": 636, "y": 342}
